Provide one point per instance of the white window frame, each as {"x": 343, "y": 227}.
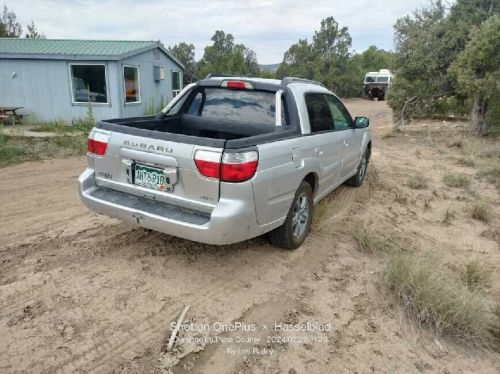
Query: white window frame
{"x": 70, "y": 72}
{"x": 137, "y": 67}
{"x": 176, "y": 92}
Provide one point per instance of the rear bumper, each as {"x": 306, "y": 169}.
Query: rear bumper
{"x": 232, "y": 220}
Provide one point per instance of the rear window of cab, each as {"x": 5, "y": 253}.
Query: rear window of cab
{"x": 249, "y": 106}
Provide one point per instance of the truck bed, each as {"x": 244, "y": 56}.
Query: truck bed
{"x": 192, "y": 125}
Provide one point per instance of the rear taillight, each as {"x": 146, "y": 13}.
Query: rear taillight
{"x": 238, "y": 166}
{"x": 208, "y": 163}
{"x": 234, "y": 166}
{"x": 97, "y": 143}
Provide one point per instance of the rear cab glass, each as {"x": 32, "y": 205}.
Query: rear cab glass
{"x": 249, "y": 106}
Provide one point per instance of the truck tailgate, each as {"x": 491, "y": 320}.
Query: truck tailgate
{"x": 157, "y": 169}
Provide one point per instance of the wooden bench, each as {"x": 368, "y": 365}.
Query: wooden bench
{"x": 8, "y": 113}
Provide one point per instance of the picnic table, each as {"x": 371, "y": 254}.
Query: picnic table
{"x": 8, "y": 112}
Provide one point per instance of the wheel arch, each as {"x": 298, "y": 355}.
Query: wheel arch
{"x": 313, "y": 179}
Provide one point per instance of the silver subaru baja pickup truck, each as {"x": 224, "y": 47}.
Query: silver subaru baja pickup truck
{"x": 229, "y": 159}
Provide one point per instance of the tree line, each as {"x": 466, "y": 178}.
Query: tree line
{"x": 447, "y": 61}
{"x": 329, "y": 59}
{"x": 11, "y": 28}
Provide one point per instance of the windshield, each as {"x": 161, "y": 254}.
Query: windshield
{"x": 382, "y": 79}
{"x": 369, "y": 79}
{"x": 235, "y": 105}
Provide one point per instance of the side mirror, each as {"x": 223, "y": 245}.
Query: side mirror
{"x": 361, "y": 122}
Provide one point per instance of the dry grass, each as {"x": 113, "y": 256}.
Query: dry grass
{"x": 448, "y": 217}
{"x": 417, "y": 182}
{"x": 427, "y": 203}
{"x": 400, "y": 197}
{"x": 457, "y": 180}
{"x": 370, "y": 240}
{"x": 320, "y": 211}
{"x": 491, "y": 173}
{"x": 490, "y": 150}
{"x": 470, "y": 152}
{"x": 366, "y": 239}
{"x": 481, "y": 211}
{"x": 390, "y": 134}
{"x": 468, "y": 160}
{"x": 435, "y": 297}
{"x": 476, "y": 276}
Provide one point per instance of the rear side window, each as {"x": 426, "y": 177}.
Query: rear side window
{"x": 249, "y": 106}
{"x": 320, "y": 117}
{"x": 195, "y": 106}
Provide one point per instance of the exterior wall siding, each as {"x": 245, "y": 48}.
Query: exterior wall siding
{"x": 152, "y": 92}
{"x": 43, "y": 87}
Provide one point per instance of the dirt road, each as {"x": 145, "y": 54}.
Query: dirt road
{"x": 84, "y": 293}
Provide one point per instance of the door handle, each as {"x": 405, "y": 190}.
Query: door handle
{"x": 318, "y": 151}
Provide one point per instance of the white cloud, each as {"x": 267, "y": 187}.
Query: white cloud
{"x": 268, "y": 27}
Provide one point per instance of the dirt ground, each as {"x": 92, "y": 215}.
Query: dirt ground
{"x": 81, "y": 292}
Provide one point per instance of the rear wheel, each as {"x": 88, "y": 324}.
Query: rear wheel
{"x": 294, "y": 230}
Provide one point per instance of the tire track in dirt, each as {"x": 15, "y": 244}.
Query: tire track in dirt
{"x": 120, "y": 342}
{"x": 346, "y": 201}
{"x": 152, "y": 329}
{"x": 44, "y": 290}
{"x": 144, "y": 334}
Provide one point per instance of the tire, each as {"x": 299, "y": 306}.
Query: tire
{"x": 357, "y": 179}
{"x": 294, "y": 230}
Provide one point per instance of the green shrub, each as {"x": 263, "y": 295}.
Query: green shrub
{"x": 9, "y": 153}
{"x": 57, "y": 126}
{"x": 16, "y": 149}
{"x": 494, "y": 114}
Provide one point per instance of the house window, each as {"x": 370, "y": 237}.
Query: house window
{"x": 176, "y": 83}
{"x": 88, "y": 83}
{"x": 131, "y": 79}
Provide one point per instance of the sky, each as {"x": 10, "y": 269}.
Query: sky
{"x": 268, "y": 27}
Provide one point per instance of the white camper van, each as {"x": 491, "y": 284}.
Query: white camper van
{"x": 376, "y": 83}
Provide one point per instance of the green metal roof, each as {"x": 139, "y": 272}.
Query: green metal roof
{"x": 76, "y": 48}
{"x": 72, "y": 47}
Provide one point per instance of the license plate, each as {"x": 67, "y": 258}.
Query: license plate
{"x": 147, "y": 176}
